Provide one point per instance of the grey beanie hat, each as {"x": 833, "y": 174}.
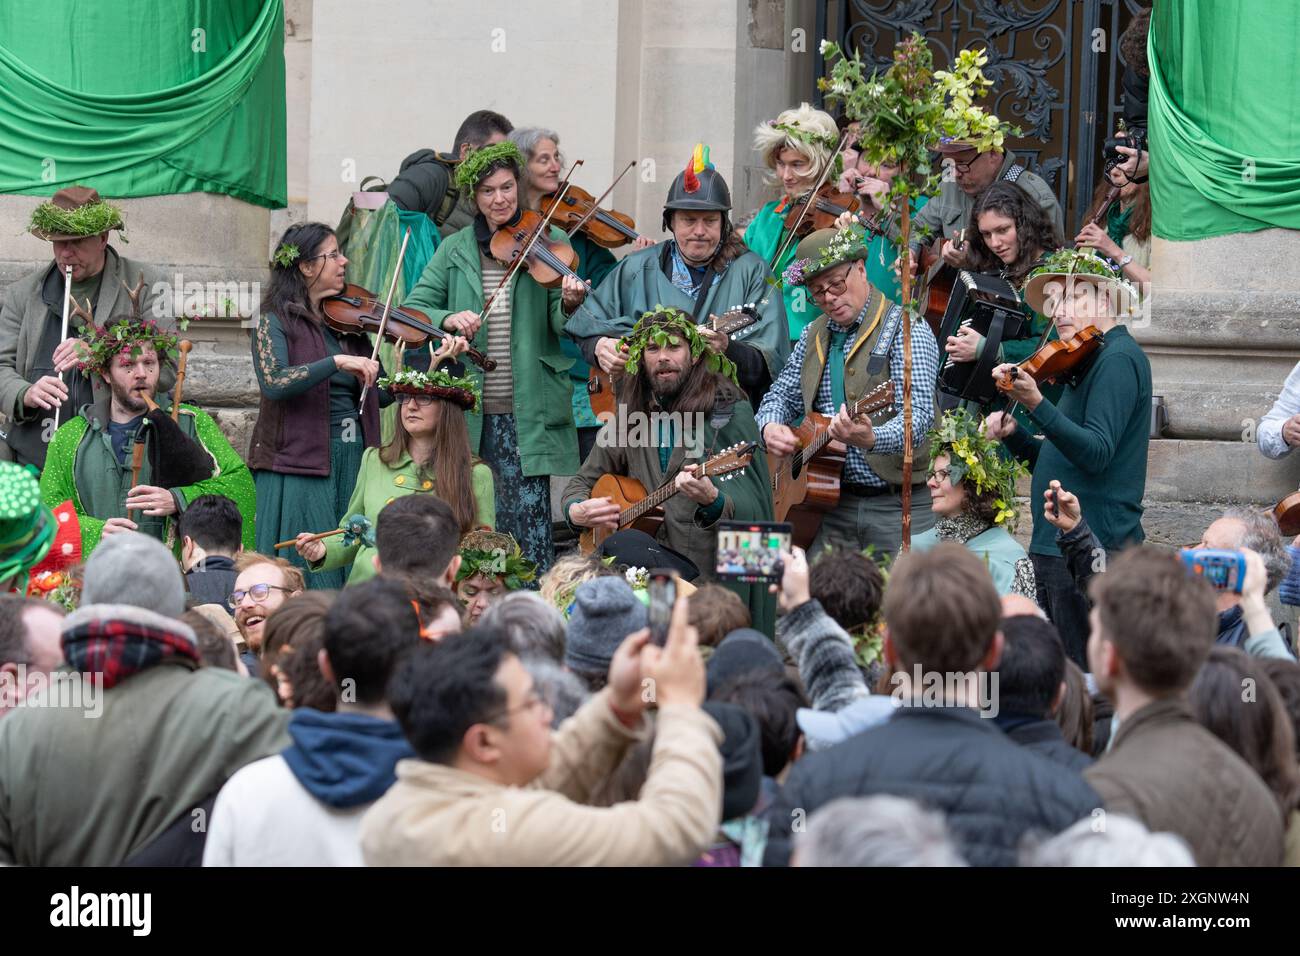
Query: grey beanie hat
{"x": 132, "y": 568}
{"x": 605, "y": 611}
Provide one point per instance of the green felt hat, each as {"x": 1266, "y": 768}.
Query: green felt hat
{"x": 27, "y": 526}
{"x": 822, "y": 250}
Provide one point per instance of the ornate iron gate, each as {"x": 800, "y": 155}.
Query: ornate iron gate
{"x": 1054, "y": 64}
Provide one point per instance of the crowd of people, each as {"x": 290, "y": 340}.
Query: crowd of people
{"x": 370, "y": 641}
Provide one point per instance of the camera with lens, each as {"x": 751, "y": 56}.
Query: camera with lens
{"x": 1134, "y": 138}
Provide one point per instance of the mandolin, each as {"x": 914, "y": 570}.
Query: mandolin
{"x": 600, "y": 387}
{"x": 644, "y": 511}
{"x": 806, "y": 484}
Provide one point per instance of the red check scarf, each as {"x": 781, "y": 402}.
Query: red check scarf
{"x": 118, "y": 641}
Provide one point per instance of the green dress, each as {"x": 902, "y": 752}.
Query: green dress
{"x": 764, "y": 236}
{"x": 377, "y": 485}
{"x": 288, "y": 505}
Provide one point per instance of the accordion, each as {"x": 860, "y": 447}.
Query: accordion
{"x": 992, "y": 307}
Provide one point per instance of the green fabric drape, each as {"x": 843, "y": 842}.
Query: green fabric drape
{"x": 1224, "y": 117}
{"x": 116, "y": 96}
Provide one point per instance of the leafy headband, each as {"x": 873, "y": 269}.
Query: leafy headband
{"x": 101, "y": 345}
{"x": 977, "y": 460}
{"x": 475, "y": 165}
{"x": 810, "y": 137}
{"x": 497, "y": 555}
{"x": 668, "y": 327}
{"x": 88, "y": 220}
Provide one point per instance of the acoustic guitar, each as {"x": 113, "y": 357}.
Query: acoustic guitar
{"x": 600, "y": 387}
{"x": 644, "y": 511}
{"x": 940, "y": 280}
{"x": 806, "y": 484}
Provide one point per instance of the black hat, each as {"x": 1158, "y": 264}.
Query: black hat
{"x": 742, "y": 758}
{"x": 636, "y": 549}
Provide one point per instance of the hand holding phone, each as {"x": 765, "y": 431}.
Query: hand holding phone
{"x": 662, "y": 588}
{"x": 1225, "y": 570}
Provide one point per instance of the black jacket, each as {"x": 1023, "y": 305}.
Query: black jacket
{"x": 950, "y": 759}
{"x": 212, "y": 580}
{"x": 1043, "y": 737}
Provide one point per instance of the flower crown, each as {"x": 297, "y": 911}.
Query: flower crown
{"x": 473, "y": 166}
{"x": 100, "y": 346}
{"x": 91, "y": 219}
{"x": 666, "y": 326}
{"x": 845, "y": 243}
{"x": 412, "y": 380}
{"x": 495, "y": 554}
{"x": 974, "y": 458}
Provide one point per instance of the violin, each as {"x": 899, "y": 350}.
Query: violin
{"x": 355, "y": 311}
{"x": 1059, "y": 358}
{"x": 578, "y": 209}
{"x": 547, "y": 260}
{"x": 828, "y": 204}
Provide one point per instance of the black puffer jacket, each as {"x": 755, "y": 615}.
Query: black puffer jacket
{"x": 992, "y": 791}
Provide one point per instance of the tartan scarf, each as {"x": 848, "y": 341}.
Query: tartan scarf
{"x": 118, "y": 640}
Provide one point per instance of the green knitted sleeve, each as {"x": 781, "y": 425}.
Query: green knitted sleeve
{"x": 58, "y": 483}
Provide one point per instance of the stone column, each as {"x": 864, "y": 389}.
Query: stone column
{"x": 1222, "y": 337}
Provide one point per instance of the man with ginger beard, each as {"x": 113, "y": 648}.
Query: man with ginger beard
{"x": 677, "y": 413}
{"x": 262, "y": 586}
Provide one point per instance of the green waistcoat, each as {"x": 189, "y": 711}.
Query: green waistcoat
{"x": 858, "y": 380}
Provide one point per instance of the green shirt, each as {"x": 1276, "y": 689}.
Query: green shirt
{"x": 1095, "y": 444}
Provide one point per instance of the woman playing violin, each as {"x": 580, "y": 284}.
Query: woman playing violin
{"x": 544, "y": 164}
{"x": 309, "y": 437}
{"x": 797, "y": 147}
{"x": 871, "y": 183}
{"x": 524, "y": 428}
{"x": 1094, "y": 439}
{"x": 428, "y": 454}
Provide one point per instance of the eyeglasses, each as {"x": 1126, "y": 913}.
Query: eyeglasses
{"x": 533, "y": 700}
{"x": 421, "y": 401}
{"x": 834, "y": 287}
{"x": 258, "y": 592}
{"x": 964, "y": 168}
{"x": 940, "y": 475}
{"x": 332, "y": 256}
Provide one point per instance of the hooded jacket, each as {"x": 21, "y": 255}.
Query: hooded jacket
{"x": 303, "y": 807}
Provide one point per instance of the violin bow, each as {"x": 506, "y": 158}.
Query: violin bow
{"x": 523, "y": 256}
{"x": 595, "y": 207}
{"x": 808, "y": 204}
{"x": 1047, "y": 333}
{"x": 383, "y": 319}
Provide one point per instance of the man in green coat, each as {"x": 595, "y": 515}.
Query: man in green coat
{"x": 683, "y": 407}
{"x": 77, "y": 222}
{"x": 91, "y": 457}
{"x": 704, "y": 270}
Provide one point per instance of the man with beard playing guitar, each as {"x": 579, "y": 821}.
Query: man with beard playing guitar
{"x": 682, "y": 406}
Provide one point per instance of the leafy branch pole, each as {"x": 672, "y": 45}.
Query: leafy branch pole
{"x": 903, "y": 114}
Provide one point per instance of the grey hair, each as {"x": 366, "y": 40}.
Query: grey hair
{"x": 535, "y": 627}
{"x": 560, "y": 688}
{"x": 877, "y": 831}
{"x": 1108, "y": 839}
{"x": 527, "y": 138}
{"x": 1263, "y": 536}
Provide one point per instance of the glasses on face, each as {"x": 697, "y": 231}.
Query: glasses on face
{"x": 331, "y": 256}
{"x": 831, "y": 289}
{"x": 531, "y": 702}
{"x": 939, "y": 475}
{"x": 258, "y": 592}
{"x": 421, "y": 401}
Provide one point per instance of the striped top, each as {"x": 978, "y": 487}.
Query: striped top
{"x": 498, "y": 385}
